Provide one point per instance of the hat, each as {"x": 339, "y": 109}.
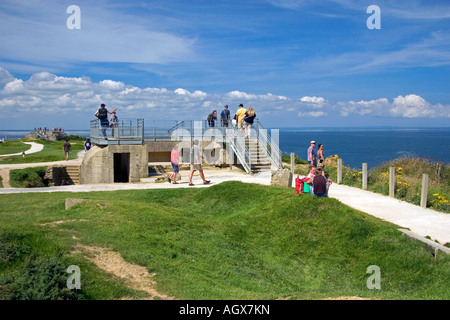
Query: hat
{"x": 313, "y": 142}
{"x": 226, "y": 106}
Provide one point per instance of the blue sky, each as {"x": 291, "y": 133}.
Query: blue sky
{"x": 297, "y": 62}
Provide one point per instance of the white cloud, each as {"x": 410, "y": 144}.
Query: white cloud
{"x": 373, "y": 107}
{"x": 314, "y": 100}
{"x": 313, "y": 114}
{"x": 112, "y": 85}
{"x": 409, "y": 106}
{"x": 414, "y": 106}
{"x": 5, "y": 76}
{"x": 73, "y": 101}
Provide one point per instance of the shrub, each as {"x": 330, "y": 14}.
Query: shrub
{"x": 43, "y": 278}
{"x": 11, "y": 249}
{"x": 287, "y": 158}
{"x": 28, "y": 178}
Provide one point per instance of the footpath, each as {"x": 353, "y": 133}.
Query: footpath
{"x": 422, "y": 221}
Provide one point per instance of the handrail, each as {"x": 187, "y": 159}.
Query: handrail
{"x": 175, "y": 127}
{"x": 274, "y": 154}
{"x": 239, "y": 147}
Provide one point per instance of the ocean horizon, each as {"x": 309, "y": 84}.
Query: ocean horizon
{"x": 355, "y": 145}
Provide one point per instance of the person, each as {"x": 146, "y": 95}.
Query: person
{"x": 320, "y": 157}
{"x": 67, "y": 147}
{"x": 174, "y": 155}
{"x": 212, "y": 117}
{"x": 301, "y": 182}
{"x": 114, "y": 123}
{"x": 250, "y": 116}
{"x": 319, "y": 184}
{"x": 196, "y": 164}
{"x": 240, "y": 115}
{"x": 311, "y": 155}
{"x": 87, "y": 145}
{"x": 102, "y": 115}
{"x": 225, "y": 116}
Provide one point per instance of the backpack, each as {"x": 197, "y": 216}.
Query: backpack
{"x": 210, "y": 117}
{"x": 102, "y": 113}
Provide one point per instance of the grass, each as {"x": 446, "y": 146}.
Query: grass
{"x": 27, "y": 178}
{"x": 13, "y": 146}
{"x": 224, "y": 242}
{"x": 53, "y": 151}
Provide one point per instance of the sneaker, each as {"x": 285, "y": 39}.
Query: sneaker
{"x": 206, "y": 182}
{"x": 191, "y": 184}
{"x": 170, "y": 180}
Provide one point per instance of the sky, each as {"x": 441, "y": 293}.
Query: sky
{"x": 298, "y": 63}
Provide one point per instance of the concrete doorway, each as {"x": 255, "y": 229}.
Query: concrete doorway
{"x": 121, "y": 167}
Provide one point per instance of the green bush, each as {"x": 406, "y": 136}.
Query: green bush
{"x": 11, "y": 249}
{"x": 287, "y": 158}
{"x": 28, "y": 178}
{"x": 43, "y": 278}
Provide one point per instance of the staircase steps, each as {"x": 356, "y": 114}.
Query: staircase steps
{"x": 73, "y": 173}
{"x": 259, "y": 160}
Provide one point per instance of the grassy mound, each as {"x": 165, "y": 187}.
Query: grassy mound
{"x": 228, "y": 241}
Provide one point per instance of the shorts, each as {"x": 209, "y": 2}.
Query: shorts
{"x": 241, "y": 125}
{"x": 196, "y": 166}
{"x": 176, "y": 168}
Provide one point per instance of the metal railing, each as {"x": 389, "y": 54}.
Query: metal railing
{"x": 269, "y": 145}
{"x": 237, "y": 144}
{"x": 132, "y": 131}
{"x": 126, "y": 131}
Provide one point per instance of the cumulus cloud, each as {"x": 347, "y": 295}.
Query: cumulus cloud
{"x": 373, "y": 107}
{"x": 314, "y": 100}
{"x": 409, "y": 106}
{"x": 5, "y": 76}
{"x": 75, "y": 99}
{"x": 414, "y": 106}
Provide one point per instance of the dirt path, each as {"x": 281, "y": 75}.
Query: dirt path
{"x": 135, "y": 276}
{"x": 4, "y": 173}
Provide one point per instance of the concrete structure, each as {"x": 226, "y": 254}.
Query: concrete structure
{"x": 126, "y": 153}
{"x": 115, "y": 163}
{"x": 130, "y": 163}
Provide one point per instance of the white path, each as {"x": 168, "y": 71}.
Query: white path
{"x": 423, "y": 221}
{"x": 35, "y": 147}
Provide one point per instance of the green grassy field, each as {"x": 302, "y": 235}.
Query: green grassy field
{"x": 53, "y": 151}
{"x": 13, "y": 146}
{"x": 228, "y": 241}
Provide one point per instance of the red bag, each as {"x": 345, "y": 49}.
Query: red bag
{"x": 297, "y": 185}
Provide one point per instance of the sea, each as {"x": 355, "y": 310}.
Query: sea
{"x": 355, "y": 146}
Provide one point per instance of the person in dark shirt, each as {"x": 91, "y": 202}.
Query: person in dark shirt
{"x": 67, "y": 147}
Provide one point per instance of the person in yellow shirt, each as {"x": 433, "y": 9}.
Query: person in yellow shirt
{"x": 240, "y": 114}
